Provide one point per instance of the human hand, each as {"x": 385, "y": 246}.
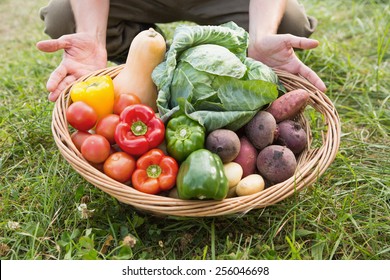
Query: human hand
{"x": 82, "y": 55}
{"x": 277, "y": 51}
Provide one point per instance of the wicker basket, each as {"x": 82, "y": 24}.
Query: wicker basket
{"x": 312, "y": 163}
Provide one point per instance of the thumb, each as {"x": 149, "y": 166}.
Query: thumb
{"x": 302, "y": 42}
{"x": 52, "y": 45}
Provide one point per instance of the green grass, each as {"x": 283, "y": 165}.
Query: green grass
{"x": 344, "y": 215}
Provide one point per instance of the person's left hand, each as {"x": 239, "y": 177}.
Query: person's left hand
{"x": 277, "y": 51}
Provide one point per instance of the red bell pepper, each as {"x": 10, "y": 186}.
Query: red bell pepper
{"x": 155, "y": 172}
{"x": 139, "y": 130}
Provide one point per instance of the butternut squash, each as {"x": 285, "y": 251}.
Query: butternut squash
{"x": 146, "y": 51}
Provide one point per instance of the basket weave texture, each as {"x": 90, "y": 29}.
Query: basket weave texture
{"x": 312, "y": 162}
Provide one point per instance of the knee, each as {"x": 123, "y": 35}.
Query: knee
{"x": 58, "y": 18}
{"x": 296, "y": 22}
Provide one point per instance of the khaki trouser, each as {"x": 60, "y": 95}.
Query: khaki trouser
{"x": 128, "y": 17}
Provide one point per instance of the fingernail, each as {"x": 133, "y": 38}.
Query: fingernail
{"x": 51, "y": 97}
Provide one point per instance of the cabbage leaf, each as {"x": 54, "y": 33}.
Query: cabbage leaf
{"x": 207, "y": 76}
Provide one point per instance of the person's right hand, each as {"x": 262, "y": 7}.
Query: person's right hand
{"x": 82, "y": 55}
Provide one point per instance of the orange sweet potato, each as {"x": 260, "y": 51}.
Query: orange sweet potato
{"x": 289, "y": 105}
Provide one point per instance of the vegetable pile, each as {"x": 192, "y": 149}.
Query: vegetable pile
{"x": 207, "y": 75}
{"x": 224, "y": 127}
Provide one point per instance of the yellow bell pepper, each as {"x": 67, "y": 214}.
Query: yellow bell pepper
{"x": 97, "y": 92}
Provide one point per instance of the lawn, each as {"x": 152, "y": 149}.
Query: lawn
{"x": 344, "y": 215}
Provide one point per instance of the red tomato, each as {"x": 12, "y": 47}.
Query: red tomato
{"x": 106, "y": 127}
{"x": 124, "y": 100}
{"x": 81, "y": 116}
{"x": 96, "y": 148}
{"x": 119, "y": 166}
{"x": 78, "y": 138}
{"x": 98, "y": 166}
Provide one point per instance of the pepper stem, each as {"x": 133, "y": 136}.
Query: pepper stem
{"x": 139, "y": 128}
{"x": 153, "y": 171}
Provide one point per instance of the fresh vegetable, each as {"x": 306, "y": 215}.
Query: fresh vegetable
{"x": 81, "y": 116}
{"x": 231, "y": 192}
{"x": 173, "y": 193}
{"x": 146, "y": 51}
{"x": 233, "y": 172}
{"x": 250, "y": 184}
{"x": 292, "y": 135}
{"x": 261, "y": 130}
{"x": 225, "y": 143}
{"x": 155, "y": 172}
{"x": 97, "y": 92}
{"x": 183, "y": 136}
{"x": 119, "y": 166}
{"x": 106, "y": 127}
{"x": 276, "y": 163}
{"x": 96, "y": 148}
{"x": 247, "y": 156}
{"x": 289, "y": 105}
{"x": 78, "y": 138}
{"x": 202, "y": 176}
{"x": 98, "y": 166}
{"x": 207, "y": 75}
{"x": 139, "y": 130}
{"x": 123, "y": 100}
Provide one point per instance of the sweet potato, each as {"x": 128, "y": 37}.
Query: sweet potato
{"x": 276, "y": 163}
{"x": 289, "y": 105}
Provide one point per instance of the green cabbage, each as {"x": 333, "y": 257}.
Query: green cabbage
{"x": 206, "y": 75}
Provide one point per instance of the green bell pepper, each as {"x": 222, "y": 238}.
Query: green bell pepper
{"x": 183, "y": 136}
{"x": 202, "y": 176}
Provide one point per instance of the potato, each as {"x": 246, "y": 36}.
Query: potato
{"x": 231, "y": 192}
{"x": 289, "y": 105}
{"x": 292, "y": 135}
{"x": 251, "y": 184}
{"x": 224, "y": 143}
{"x": 233, "y": 172}
{"x": 276, "y": 163}
{"x": 247, "y": 157}
{"x": 260, "y": 130}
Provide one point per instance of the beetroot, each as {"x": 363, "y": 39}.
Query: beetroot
{"x": 224, "y": 143}
{"x": 260, "y": 130}
{"x": 276, "y": 163}
{"x": 292, "y": 135}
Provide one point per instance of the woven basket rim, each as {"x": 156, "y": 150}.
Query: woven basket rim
{"x": 312, "y": 163}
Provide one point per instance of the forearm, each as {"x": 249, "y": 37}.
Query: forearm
{"x": 265, "y": 16}
{"x": 91, "y": 17}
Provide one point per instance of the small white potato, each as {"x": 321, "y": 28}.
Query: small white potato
{"x": 233, "y": 172}
{"x": 231, "y": 192}
{"x": 251, "y": 184}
